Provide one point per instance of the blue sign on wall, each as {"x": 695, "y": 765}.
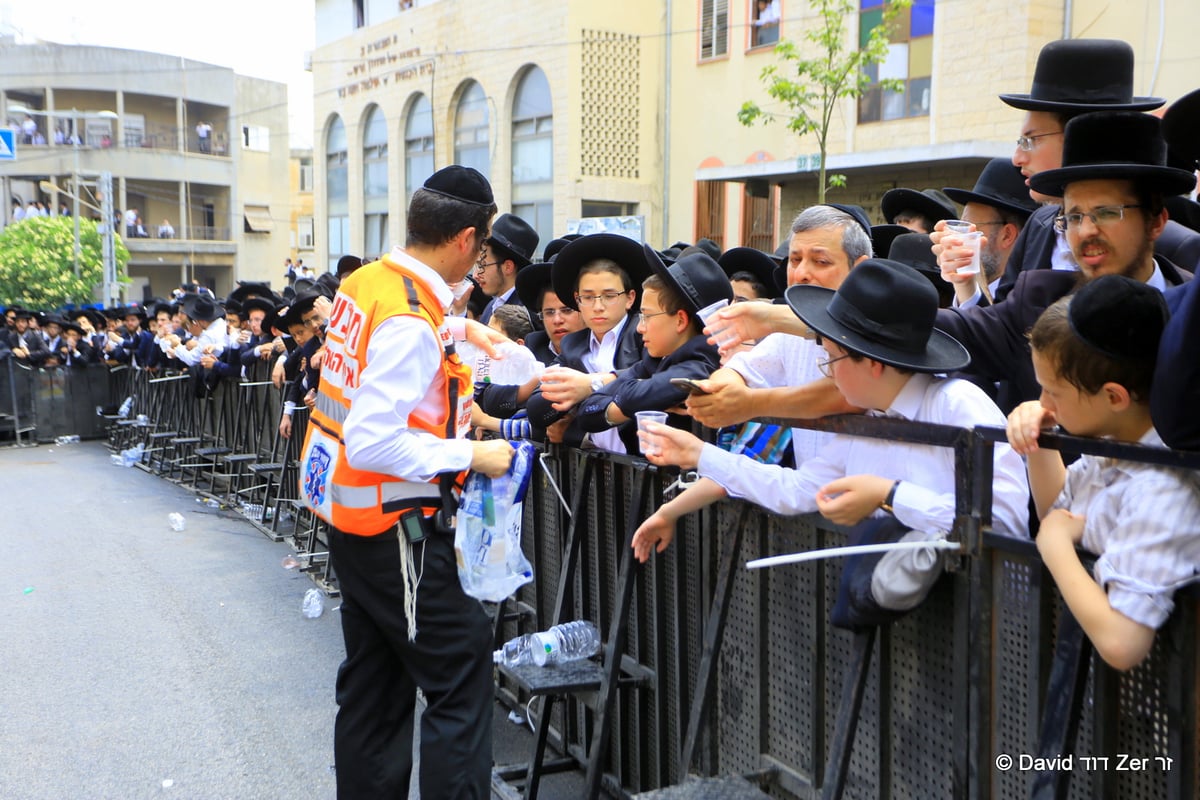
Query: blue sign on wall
{"x": 8, "y": 145}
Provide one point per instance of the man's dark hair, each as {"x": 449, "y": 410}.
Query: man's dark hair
{"x": 761, "y": 292}
{"x": 1083, "y": 366}
{"x": 434, "y": 219}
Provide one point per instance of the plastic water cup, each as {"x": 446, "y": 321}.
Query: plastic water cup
{"x": 706, "y": 313}
{"x": 973, "y": 241}
{"x": 647, "y": 440}
{"x": 958, "y": 225}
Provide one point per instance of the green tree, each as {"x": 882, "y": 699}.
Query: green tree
{"x": 809, "y": 89}
{"x": 37, "y": 263}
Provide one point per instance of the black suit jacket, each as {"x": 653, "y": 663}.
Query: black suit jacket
{"x": 1175, "y": 394}
{"x": 1035, "y": 245}
{"x": 574, "y": 348}
{"x": 646, "y": 386}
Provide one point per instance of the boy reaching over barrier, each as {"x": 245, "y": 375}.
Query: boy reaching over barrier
{"x": 1093, "y": 354}
{"x": 877, "y": 331}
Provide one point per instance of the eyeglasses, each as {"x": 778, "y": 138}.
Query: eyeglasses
{"x": 826, "y": 367}
{"x": 605, "y": 299}
{"x": 480, "y": 266}
{"x": 643, "y": 316}
{"x": 550, "y": 313}
{"x": 1027, "y": 143}
{"x": 1100, "y": 216}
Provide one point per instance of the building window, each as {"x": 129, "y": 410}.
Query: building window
{"x": 909, "y": 60}
{"x": 304, "y": 233}
{"x": 710, "y": 211}
{"x": 471, "y": 130}
{"x": 607, "y": 208}
{"x": 306, "y": 175}
{"x": 256, "y": 137}
{"x": 257, "y": 219}
{"x": 714, "y": 28}
{"x": 764, "y": 22}
{"x": 418, "y": 146}
{"x": 360, "y": 14}
{"x": 375, "y": 181}
{"x": 533, "y": 153}
{"x": 337, "y": 190}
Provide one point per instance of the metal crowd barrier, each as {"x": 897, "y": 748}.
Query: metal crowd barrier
{"x": 727, "y": 671}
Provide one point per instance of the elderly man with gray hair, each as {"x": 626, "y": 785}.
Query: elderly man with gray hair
{"x": 780, "y": 375}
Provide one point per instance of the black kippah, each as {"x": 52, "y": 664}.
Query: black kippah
{"x": 1119, "y": 317}
{"x": 461, "y": 183}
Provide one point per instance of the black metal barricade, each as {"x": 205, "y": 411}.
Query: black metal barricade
{"x": 952, "y": 687}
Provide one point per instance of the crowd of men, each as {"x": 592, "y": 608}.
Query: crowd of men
{"x": 1082, "y": 313}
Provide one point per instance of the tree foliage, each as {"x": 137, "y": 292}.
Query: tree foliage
{"x": 809, "y": 89}
{"x": 37, "y": 263}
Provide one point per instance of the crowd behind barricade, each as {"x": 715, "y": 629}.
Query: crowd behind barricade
{"x": 1075, "y": 309}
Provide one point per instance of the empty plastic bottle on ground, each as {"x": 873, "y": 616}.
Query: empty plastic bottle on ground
{"x": 314, "y": 604}
{"x": 126, "y": 407}
{"x": 177, "y": 521}
{"x": 61, "y": 440}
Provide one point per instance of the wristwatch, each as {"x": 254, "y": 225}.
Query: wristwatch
{"x": 886, "y": 505}
{"x": 597, "y": 384}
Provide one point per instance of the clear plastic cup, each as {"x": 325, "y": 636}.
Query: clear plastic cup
{"x": 648, "y": 441}
{"x": 705, "y": 315}
{"x": 973, "y": 240}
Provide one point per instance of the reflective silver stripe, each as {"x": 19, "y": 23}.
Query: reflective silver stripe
{"x": 392, "y": 491}
{"x": 335, "y": 411}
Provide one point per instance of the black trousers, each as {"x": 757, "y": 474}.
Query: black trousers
{"x": 450, "y": 661}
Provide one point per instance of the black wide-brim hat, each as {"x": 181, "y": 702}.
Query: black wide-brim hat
{"x": 248, "y": 289}
{"x": 1114, "y": 145}
{"x": 1183, "y": 210}
{"x": 257, "y": 304}
{"x": 931, "y": 203}
{"x": 882, "y": 237}
{"x": 274, "y": 320}
{"x": 1078, "y": 75}
{"x": 999, "y": 185}
{"x": 696, "y": 277}
{"x": 885, "y": 311}
{"x": 1181, "y": 127}
{"x": 532, "y": 282}
{"x": 555, "y": 245}
{"x": 73, "y": 326}
{"x": 626, "y": 252}
{"x": 756, "y": 262}
{"x": 202, "y": 308}
{"x": 514, "y": 238}
{"x": 93, "y": 316}
{"x": 916, "y": 250}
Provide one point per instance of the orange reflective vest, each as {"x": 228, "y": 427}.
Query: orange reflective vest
{"x": 354, "y": 500}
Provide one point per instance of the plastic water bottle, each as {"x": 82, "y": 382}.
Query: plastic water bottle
{"x": 61, "y": 440}
{"x": 126, "y": 407}
{"x": 515, "y": 652}
{"x": 314, "y": 604}
{"x": 569, "y": 641}
{"x": 517, "y": 366}
{"x": 177, "y": 521}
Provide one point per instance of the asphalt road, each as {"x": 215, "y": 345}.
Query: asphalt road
{"x": 139, "y": 662}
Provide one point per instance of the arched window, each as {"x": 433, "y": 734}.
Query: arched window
{"x": 533, "y": 153}
{"x": 375, "y": 184}
{"x": 418, "y": 146}
{"x": 337, "y": 190}
{"x": 471, "y": 130}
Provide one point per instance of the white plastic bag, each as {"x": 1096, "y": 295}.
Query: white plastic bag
{"x": 487, "y": 540}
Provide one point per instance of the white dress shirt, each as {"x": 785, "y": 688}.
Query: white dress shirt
{"x": 403, "y": 377}
{"x": 601, "y": 357}
{"x": 924, "y": 501}
{"x": 215, "y": 334}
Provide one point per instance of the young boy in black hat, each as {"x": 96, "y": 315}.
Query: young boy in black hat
{"x": 1093, "y": 354}
{"x": 883, "y": 354}
{"x": 673, "y": 342}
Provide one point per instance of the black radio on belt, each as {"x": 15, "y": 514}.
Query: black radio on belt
{"x": 414, "y": 525}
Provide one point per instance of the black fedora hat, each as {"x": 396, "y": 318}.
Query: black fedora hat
{"x": 696, "y": 277}
{"x": 1000, "y": 185}
{"x": 72, "y": 326}
{"x": 256, "y": 304}
{"x": 915, "y": 250}
{"x": 857, "y": 212}
{"x": 274, "y": 320}
{"x": 554, "y": 245}
{"x": 885, "y": 311}
{"x": 532, "y": 282}
{"x": 248, "y": 289}
{"x": 756, "y": 262}
{"x": 514, "y": 238}
{"x": 1183, "y": 210}
{"x": 1114, "y": 145}
{"x": 931, "y": 203}
{"x": 1083, "y": 75}
{"x": 202, "y": 308}
{"x": 626, "y": 252}
{"x": 347, "y": 264}
{"x": 1181, "y": 128}
{"x": 92, "y": 315}
{"x": 882, "y": 237}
